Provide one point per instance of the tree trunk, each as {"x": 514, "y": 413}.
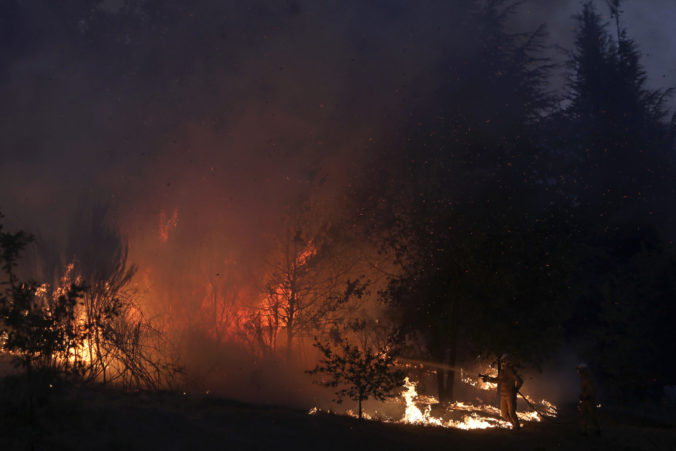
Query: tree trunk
{"x": 446, "y": 378}
{"x": 445, "y": 381}
{"x": 497, "y": 393}
{"x": 360, "y": 398}
{"x": 441, "y": 384}
{"x": 289, "y": 343}
{"x": 290, "y": 326}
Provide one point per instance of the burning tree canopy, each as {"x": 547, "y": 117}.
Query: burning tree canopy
{"x": 308, "y": 286}
{"x": 214, "y": 184}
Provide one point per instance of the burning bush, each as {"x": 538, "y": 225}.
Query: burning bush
{"x": 33, "y": 332}
{"x": 84, "y": 331}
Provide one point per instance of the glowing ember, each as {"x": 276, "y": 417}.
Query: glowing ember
{"x": 458, "y": 415}
{"x": 474, "y": 421}
{"x": 84, "y": 351}
{"x": 364, "y": 415}
{"x": 479, "y": 383}
{"x": 414, "y": 415}
{"x": 549, "y": 409}
{"x": 528, "y": 416}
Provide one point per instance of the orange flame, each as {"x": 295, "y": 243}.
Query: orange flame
{"x": 482, "y": 416}
{"x": 167, "y": 223}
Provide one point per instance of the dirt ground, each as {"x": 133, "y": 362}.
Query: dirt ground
{"x": 103, "y": 419}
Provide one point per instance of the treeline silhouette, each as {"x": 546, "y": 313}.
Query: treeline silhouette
{"x": 522, "y": 220}
{"x": 526, "y": 220}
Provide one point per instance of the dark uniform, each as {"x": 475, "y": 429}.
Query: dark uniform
{"x": 587, "y": 402}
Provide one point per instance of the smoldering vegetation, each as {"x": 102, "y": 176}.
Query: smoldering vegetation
{"x": 201, "y": 141}
{"x": 252, "y": 176}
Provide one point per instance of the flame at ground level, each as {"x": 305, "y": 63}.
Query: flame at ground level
{"x": 458, "y": 415}
{"x": 473, "y": 420}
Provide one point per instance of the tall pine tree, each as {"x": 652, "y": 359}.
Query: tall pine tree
{"x": 468, "y": 221}
{"x": 618, "y": 141}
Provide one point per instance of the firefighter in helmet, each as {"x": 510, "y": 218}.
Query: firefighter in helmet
{"x": 509, "y": 383}
{"x": 587, "y": 402}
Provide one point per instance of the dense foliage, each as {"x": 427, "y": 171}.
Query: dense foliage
{"x": 516, "y": 219}
{"x": 526, "y": 221}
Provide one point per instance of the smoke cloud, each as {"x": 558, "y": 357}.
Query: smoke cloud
{"x": 199, "y": 126}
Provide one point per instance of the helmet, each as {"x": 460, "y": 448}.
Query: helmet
{"x": 582, "y": 367}
{"x": 505, "y": 358}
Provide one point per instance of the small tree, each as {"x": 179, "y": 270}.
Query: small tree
{"x": 33, "y": 331}
{"x": 309, "y": 283}
{"x": 90, "y": 331}
{"x": 358, "y": 373}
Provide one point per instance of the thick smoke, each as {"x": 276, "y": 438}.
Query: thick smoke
{"x": 199, "y": 129}
{"x": 201, "y": 125}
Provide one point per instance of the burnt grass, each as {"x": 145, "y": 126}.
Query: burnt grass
{"x": 76, "y": 417}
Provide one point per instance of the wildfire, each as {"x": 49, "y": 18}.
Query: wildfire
{"x": 458, "y": 415}
{"x": 167, "y": 223}
{"x": 84, "y": 351}
{"x": 480, "y": 383}
{"x": 413, "y": 414}
{"x": 473, "y": 420}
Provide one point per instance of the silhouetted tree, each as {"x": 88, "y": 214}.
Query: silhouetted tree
{"x": 34, "y": 332}
{"x": 119, "y": 344}
{"x": 358, "y": 373}
{"x": 636, "y": 317}
{"x": 307, "y": 288}
{"x": 86, "y": 326}
{"x": 468, "y": 215}
{"x": 617, "y": 128}
{"x": 619, "y": 147}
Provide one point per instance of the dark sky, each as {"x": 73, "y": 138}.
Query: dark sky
{"x": 94, "y": 99}
{"x": 203, "y": 122}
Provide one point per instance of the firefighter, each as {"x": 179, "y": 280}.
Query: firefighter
{"x": 587, "y": 402}
{"x": 509, "y": 383}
